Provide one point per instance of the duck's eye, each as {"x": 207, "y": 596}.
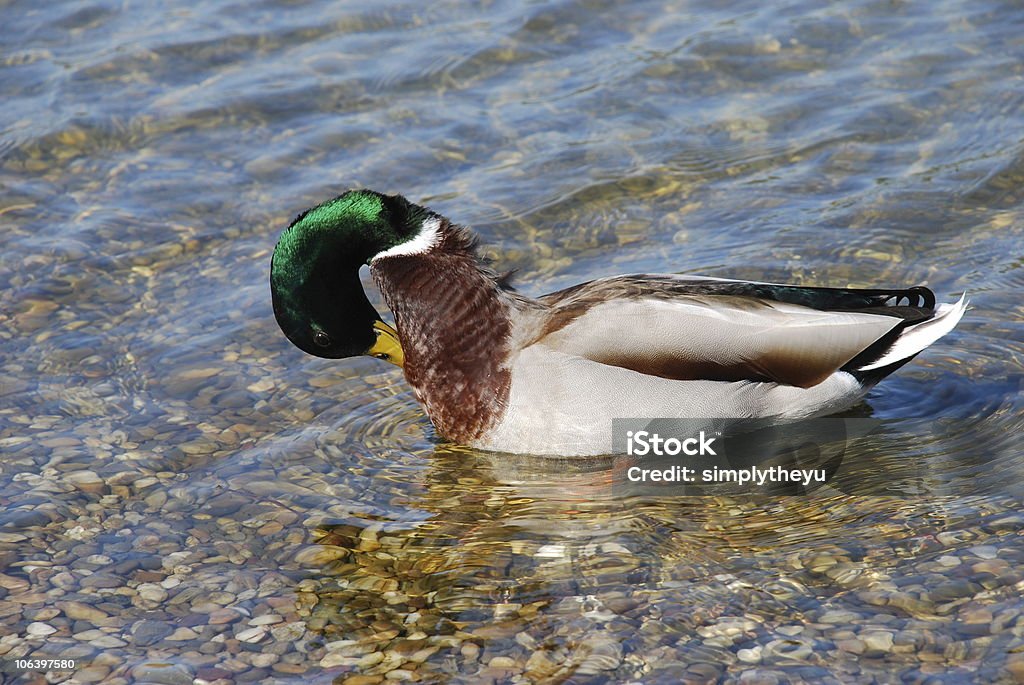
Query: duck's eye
{"x": 321, "y": 339}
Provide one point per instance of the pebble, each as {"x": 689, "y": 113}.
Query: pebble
{"x": 852, "y": 645}
{"x": 993, "y": 566}
{"x": 182, "y": 633}
{"x": 224, "y": 615}
{"x": 750, "y": 656}
{"x": 332, "y": 659}
{"x": 288, "y": 632}
{"x": 952, "y": 590}
{"x": 210, "y": 673}
{"x": 362, "y": 679}
{"x": 788, "y": 649}
{"x": 264, "y": 660}
{"x": 151, "y": 592}
{"x": 1011, "y": 523}
{"x": 225, "y": 504}
{"x": 86, "y": 481}
{"x": 877, "y": 642}
{"x": 12, "y": 583}
{"x": 319, "y": 555}
{"x": 252, "y": 634}
{"x": 29, "y": 597}
{"x": 81, "y": 611}
{"x": 149, "y": 632}
{"x": 976, "y": 615}
{"x": 87, "y": 635}
{"x": 107, "y": 642}
{"x": 44, "y": 614}
{"x": 92, "y": 674}
{"x": 371, "y": 659}
{"x": 102, "y": 580}
{"x": 400, "y": 675}
{"x": 1015, "y": 666}
{"x": 265, "y": 619}
{"x": 838, "y": 616}
{"x": 37, "y": 629}
{"x": 163, "y": 673}
{"x": 65, "y": 581}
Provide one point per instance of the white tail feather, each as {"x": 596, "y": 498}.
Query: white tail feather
{"x": 919, "y": 336}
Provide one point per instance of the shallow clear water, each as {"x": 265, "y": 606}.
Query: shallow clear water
{"x": 182, "y": 487}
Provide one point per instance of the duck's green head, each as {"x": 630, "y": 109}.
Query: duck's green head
{"x": 314, "y": 275}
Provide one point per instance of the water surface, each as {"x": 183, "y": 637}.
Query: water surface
{"x": 187, "y": 495}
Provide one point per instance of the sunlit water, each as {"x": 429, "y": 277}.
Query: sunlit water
{"x": 182, "y": 487}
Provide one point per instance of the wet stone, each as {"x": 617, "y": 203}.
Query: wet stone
{"x": 79, "y": 610}
{"x": 288, "y": 631}
{"x": 39, "y": 629}
{"x": 223, "y": 616}
{"x": 838, "y": 616}
{"x": 224, "y": 504}
{"x": 953, "y": 590}
{"x": 42, "y": 614}
{"x": 24, "y": 518}
{"x": 12, "y": 583}
{"x": 749, "y": 656}
{"x": 162, "y": 673}
{"x": 86, "y": 635}
{"x": 211, "y": 673}
{"x": 152, "y": 593}
{"x": 92, "y": 674}
{"x": 1005, "y": 524}
{"x": 102, "y": 580}
{"x": 877, "y": 643}
{"x": 252, "y": 634}
{"x": 136, "y": 561}
{"x": 265, "y": 619}
{"x": 78, "y": 651}
{"x": 150, "y": 632}
{"x": 253, "y": 675}
{"x": 363, "y": 679}
{"x": 181, "y": 634}
{"x": 86, "y": 481}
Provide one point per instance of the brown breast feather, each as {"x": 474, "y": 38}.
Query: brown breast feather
{"x": 453, "y": 322}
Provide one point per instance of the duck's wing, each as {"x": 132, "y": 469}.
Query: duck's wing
{"x": 689, "y": 328}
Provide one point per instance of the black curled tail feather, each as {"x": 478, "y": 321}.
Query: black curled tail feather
{"x": 917, "y": 302}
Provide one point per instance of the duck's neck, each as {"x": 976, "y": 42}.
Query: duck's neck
{"x": 454, "y": 322}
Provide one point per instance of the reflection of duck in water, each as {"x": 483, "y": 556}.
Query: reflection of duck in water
{"x": 498, "y": 370}
{"x": 536, "y": 564}
{"x": 537, "y": 576}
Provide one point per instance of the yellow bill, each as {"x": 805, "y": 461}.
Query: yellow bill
{"x": 387, "y": 346}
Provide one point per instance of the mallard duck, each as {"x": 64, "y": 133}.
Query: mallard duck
{"x": 497, "y": 370}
